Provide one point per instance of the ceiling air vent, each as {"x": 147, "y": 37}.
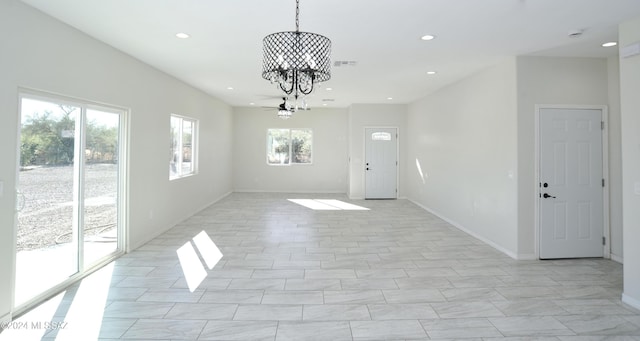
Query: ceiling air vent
{"x": 340, "y": 63}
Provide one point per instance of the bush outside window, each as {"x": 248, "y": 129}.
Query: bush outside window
{"x": 289, "y": 146}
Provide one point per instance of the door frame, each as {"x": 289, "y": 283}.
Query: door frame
{"x": 364, "y": 149}
{"x": 605, "y": 173}
{"x": 123, "y": 190}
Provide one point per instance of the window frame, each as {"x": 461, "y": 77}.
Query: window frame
{"x": 290, "y": 151}
{"x": 176, "y": 165}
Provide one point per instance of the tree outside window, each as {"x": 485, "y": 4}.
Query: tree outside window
{"x": 182, "y": 147}
{"x": 289, "y": 146}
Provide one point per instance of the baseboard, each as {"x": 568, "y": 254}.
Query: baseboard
{"x": 527, "y": 256}
{"x": 292, "y": 191}
{"x": 617, "y": 258}
{"x": 214, "y": 201}
{"x": 159, "y": 232}
{"x": 471, "y": 233}
{"x": 6, "y": 318}
{"x": 150, "y": 237}
{"x": 635, "y": 303}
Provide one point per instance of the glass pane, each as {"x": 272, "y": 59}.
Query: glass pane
{"x": 301, "y": 145}
{"x": 101, "y": 185}
{"x": 381, "y": 136}
{"x": 46, "y": 252}
{"x": 174, "y": 145}
{"x": 187, "y": 146}
{"x": 278, "y": 146}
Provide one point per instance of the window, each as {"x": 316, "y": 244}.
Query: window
{"x": 289, "y": 146}
{"x": 182, "y": 151}
{"x": 381, "y": 136}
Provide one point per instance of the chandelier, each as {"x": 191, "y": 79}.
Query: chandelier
{"x": 284, "y": 112}
{"x": 295, "y": 61}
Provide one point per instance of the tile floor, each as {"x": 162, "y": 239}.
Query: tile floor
{"x": 289, "y": 272}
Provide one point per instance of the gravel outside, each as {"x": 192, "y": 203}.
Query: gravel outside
{"x": 45, "y": 201}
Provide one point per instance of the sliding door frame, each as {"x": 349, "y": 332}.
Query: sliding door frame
{"x": 122, "y": 189}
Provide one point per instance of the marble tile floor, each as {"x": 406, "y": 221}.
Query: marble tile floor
{"x": 291, "y": 272}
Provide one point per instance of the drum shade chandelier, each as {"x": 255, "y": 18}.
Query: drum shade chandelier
{"x": 295, "y": 61}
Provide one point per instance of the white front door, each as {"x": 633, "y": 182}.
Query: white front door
{"x": 381, "y": 163}
{"x": 571, "y": 183}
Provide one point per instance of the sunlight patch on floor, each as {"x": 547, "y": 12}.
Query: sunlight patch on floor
{"x": 70, "y": 315}
{"x": 328, "y": 205}
{"x": 86, "y": 313}
{"x": 208, "y": 249}
{"x": 194, "y": 271}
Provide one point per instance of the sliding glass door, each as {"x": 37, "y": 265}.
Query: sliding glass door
{"x": 69, "y": 192}
{"x": 100, "y": 220}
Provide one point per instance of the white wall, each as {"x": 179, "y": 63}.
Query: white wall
{"x": 629, "y": 33}
{"x": 464, "y": 138}
{"x": 39, "y": 52}
{"x": 546, "y": 80}
{"x": 327, "y": 174}
{"x": 615, "y": 159}
{"x": 373, "y": 115}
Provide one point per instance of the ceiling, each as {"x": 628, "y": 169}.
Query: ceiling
{"x": 224, "y": 50}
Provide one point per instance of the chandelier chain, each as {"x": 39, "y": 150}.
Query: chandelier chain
{"x": 297, "y": 15}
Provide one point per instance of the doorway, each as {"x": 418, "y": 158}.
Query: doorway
{"x": 571, "y": 180}
{"x": 381, "y": 163}
{"x": 70, "y": 185}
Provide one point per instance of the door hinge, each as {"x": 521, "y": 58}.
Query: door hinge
{"x": 602, "y": 182}
{"x": 602, "y": 125}
{"x": 604, "y": 240}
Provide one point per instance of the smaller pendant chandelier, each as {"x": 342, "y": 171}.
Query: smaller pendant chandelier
{"x": 284, "y": 112}
{"x": 295, "y": 61}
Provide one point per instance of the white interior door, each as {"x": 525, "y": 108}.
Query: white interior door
{"x": 381, "y": 163}
{"x": 571, "y": 183}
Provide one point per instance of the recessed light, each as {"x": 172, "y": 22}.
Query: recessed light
{"x": 427, "y": 37}
{"x": 252, "y": 103}
{"x": 324, "y": 104}
{"x": 329, "y": 89}
{"x": 389, "y": 98}
{"x": 182, "y": 35}
{"x": 431, "y": 72}
{"x": 610, "y": 44}
{"x": 229, "y": 88}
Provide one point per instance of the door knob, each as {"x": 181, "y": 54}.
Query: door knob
{"x": 547, "y": 196}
